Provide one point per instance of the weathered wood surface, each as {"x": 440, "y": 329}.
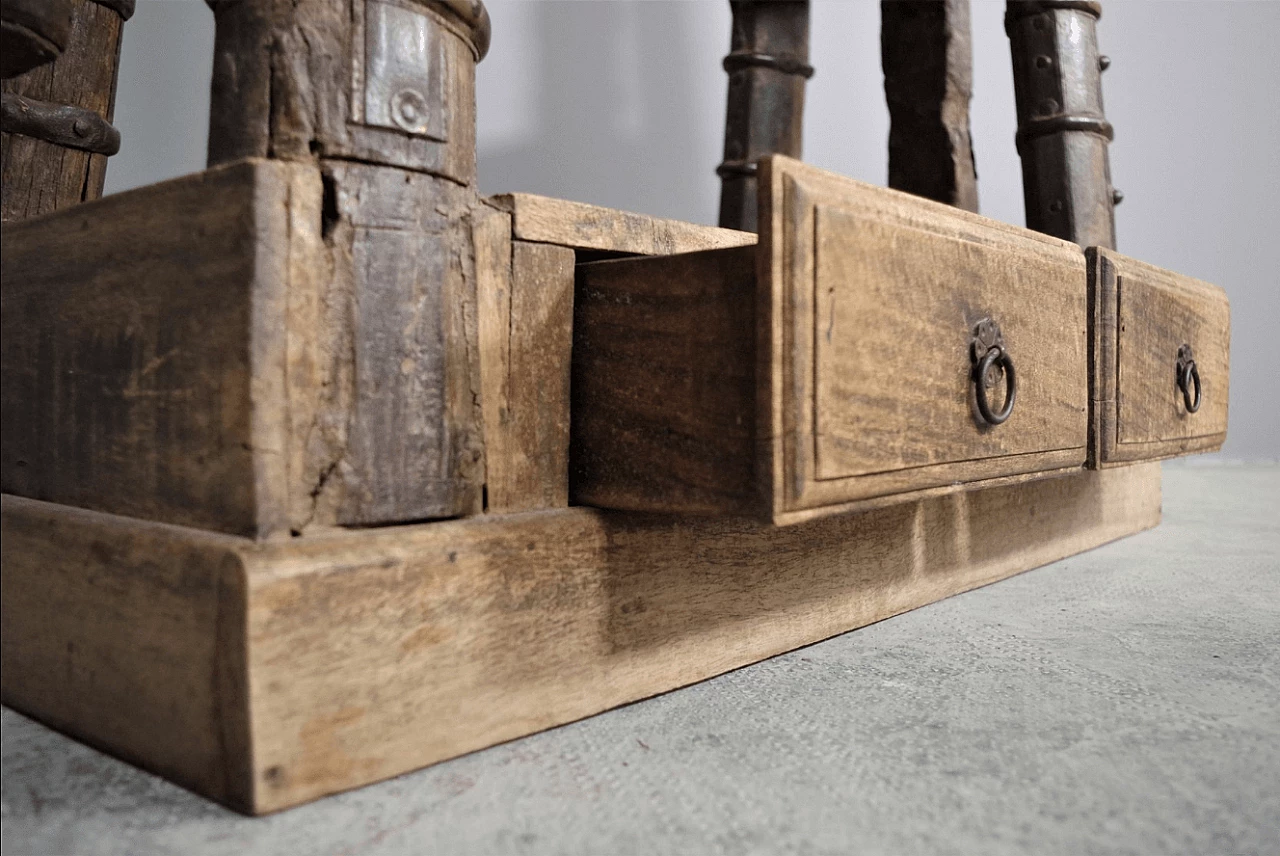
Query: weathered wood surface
{"x": 664, "y": 383}
{"x": 253, "y": 349}
{"x": 927, "y": 56}
{"x": 1141, "y": 316}
{"x": 894, "y": 308}
{"x": 402, "y": 261}
{"x": 1063, "y": 133}
{"x": 768, "y": 64}
{"x": 915, "y": 387}
{"x": 590, "y": 227}
{"x": 268, "y": 674}
{"x": 526, "y": 318}
{"x": 132, "y": 637}
{"x": 299, "y": 80}
{"x": 836, "y": 367}
{"x": 143, "y": 378}
{"x": 37, "y": 177}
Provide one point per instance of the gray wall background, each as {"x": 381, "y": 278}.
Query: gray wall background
{"x": 622, "y": 104}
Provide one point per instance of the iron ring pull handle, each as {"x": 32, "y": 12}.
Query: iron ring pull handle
{"x": 987, "y": 351}
{"x": 1189, "y": 376}
{"x": 995, "y": 356}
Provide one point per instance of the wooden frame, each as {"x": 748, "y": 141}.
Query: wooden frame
{"x": 263, "y": 674}
{"x": 358, "y": 339}
{"x": 828, "y": 368}
{"x": 795, "y": 476}
{"x": 1140, "y": 316}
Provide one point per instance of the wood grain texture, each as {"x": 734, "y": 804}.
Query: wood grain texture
{"x": 254, "y": 349}
{"x": 927, "y": 55}
{"x": 370, "y": 653}
{"x": 525, "y": 302}
{"x": 1141, "y": 316}
{"x": 402, "y": 257}
{"x": 37, "y": 177}
{"x": 832, "y": 371}
{"x": 946, "y": 270}
{"x": 141, "y": 378}
{"x": 131, "y": 636}
{"x": 529, "y": 465}
{"x": 589, "y": 227}
{"x": 289, "y": 82}
{"x": 894, "y": 309}
{"x": 664, "y": 383}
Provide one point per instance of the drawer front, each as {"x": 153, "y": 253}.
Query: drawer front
{"x": 875, "y": 297}
{"x": 1155, "y": 333}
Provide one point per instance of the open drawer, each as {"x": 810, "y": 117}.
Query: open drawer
{"x": 1161, "y": 366}
{"x": 835, "y": 365}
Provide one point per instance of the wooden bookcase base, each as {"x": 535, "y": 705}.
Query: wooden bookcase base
{"x": 263, "y": 674}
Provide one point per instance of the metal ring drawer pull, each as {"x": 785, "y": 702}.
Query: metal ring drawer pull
{"x": 1188, "y": 376}
{"x": 988, "y": 351}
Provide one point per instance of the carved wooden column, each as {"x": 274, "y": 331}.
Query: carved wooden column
{"x": 768, "y": 65}
{"x": 1063, "y": 133}
{"x": 56, "y": 112}
{"x": 927, "y": 55}
{"x": 381, "y": 97}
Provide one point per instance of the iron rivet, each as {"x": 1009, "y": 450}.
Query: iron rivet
{"x": 1048, "y": 107}
{"x": 1104, "y": 63}
{"x": 1043, "y": 61}
{"x": 1055, "y": 206}
{"x": 409, "y": 109}
{"x": 81, "y": 127}
{"x": 1116, "y": 196}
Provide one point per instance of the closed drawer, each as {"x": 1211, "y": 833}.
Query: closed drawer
{"x": 831, "y": 366}
{"x": 1161, "y": 372}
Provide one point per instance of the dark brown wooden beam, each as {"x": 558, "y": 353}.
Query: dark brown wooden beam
{"x": 56, "y": 122}
{"x": 768, "y": 65}
{"x": 1063, "y": 133}
{"x": 927, "y": 55}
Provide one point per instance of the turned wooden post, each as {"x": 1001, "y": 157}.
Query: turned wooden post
{"x": 60, "y": 61}
{"x": 1063, "y": 132}
{"x": 927, "y": 56}
{"x": 768, "y": 65}
{"x": 361, "y": 80}
{"x": 380, "y": 96}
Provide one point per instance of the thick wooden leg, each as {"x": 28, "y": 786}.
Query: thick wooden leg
{"x": 56, "y": 116}
{"x": 768, "y": 65}
{"x": 1063, "y": 133}
{"x": 927, "y": 55}
{"x": 266, "y": 674}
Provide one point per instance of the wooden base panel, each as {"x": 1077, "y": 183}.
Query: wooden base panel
{"x": 264, "y": 674}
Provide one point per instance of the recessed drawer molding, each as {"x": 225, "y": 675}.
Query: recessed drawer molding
{"x": 862, "y": 353}
{"x": 1162, "y": 361}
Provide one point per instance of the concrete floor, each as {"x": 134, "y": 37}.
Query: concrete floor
{"x": 1123, "y": 701}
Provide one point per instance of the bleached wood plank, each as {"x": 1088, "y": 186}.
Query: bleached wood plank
{"x": 265, "y": 674}
{"x": 590, "y": 227}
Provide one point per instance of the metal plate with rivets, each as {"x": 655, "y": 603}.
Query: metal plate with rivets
{"x": 404, "y": 72}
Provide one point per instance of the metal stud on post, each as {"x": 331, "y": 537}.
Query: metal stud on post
{"x": 1063, "y": 133}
